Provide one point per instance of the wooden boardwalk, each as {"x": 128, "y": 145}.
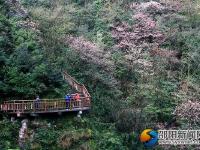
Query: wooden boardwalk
{"x": 22, "y": 107}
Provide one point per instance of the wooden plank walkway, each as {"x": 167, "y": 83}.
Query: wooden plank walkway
{"x": 21, "y": 107}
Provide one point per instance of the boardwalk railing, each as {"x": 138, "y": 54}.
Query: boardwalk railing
{"x": 44, "y": 105}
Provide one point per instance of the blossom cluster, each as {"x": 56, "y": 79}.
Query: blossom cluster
{"x": 144, "y": 30}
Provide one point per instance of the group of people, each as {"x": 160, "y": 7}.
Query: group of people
{"x": 68, "y": 98}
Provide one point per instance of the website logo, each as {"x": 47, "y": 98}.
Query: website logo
{"x": 149, "y": 137}
{"x": 179, "y": 137}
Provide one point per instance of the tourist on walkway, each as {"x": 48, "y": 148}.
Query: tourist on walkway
{"x": 67, "y": 100}
{"x": 77, "y": 96}
{"x": 37, "y": 103}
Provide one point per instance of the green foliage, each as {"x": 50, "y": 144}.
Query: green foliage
{"x": 164, "y": 102}
{"x": 69, "y": 139}
{"x": 46, "y": 136}
{"x": 9, "y": 134}
{"x": 103, "y": 135}
{"x": 25, "y": 71}
{"x": 132, "y": 120}
{"x": 43, "y": 3}
{"x": 186, "y": 41}
{"x": 108, "y": 140}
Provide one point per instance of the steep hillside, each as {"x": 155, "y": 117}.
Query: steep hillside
{"x": 139, "y": 60}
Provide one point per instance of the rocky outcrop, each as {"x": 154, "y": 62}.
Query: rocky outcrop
{"x": 23, "y": 133}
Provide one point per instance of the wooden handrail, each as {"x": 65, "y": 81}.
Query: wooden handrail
{"x": 11, "y": 101}
{"x": 42, "y": 106}
{"x": 79, "y": 87}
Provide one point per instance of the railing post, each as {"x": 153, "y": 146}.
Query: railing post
{"x": 70, "y": 104}
{"x": 23, "y": 106}
{"x": 55, "y": 107}
{"x": 31, "y": 106}
{"x": 34, "y": 106}
{"x": 80, "y": 104}
{"x": 44, "y": 105}
{"x": 13, "y": 106}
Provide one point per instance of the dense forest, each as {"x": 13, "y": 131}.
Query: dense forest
{"x": 139, "y": 59}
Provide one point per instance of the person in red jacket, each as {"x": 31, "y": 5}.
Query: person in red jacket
{"x": 77, "y": 97}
